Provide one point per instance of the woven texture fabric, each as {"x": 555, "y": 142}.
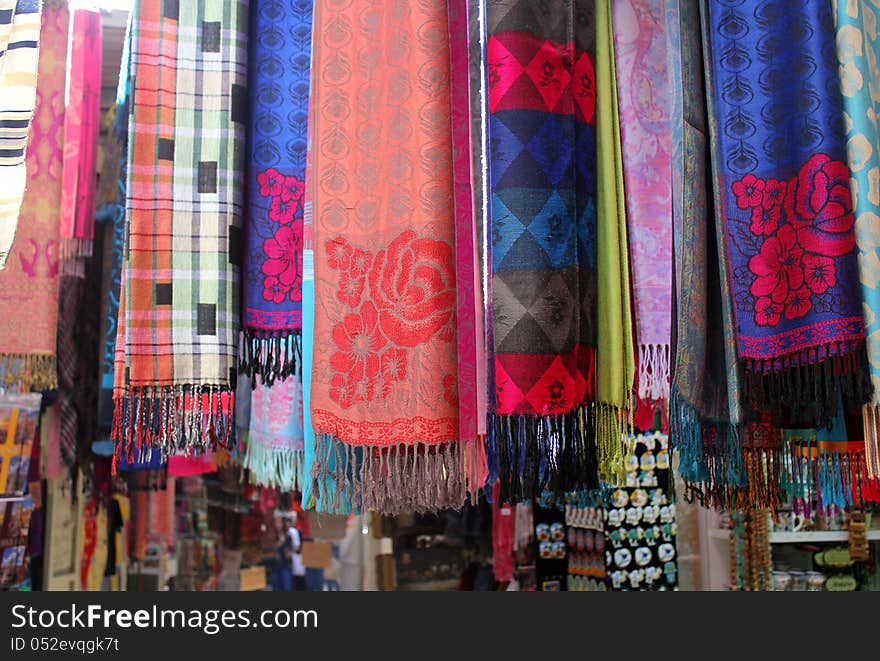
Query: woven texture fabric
{"x": 384, "y": 396}
{"x": 541, "y": 129}
{"x": 20, "y": 34}
{"x": 29, "y": 283}
{"x": 178, "y": 332}
{"x": 81, "y": 124}
{"x": 279, "y": 66}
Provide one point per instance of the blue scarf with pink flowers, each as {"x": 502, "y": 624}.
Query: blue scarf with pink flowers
{"x": 278, "y": 69}
{"x": 785, "y": 205}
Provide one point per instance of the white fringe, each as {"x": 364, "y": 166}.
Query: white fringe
{"x": 275, "y": 467}
{"x": 653, "y": 371}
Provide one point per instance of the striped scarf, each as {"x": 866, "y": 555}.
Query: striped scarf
{"x": 176, "y": 357}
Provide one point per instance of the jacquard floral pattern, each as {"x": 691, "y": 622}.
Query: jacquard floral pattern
{"x": 283, "y": 266}
{"x": 800, "y": 227}
{"x": 401, "y": 298}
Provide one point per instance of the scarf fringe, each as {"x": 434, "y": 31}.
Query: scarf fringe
{"x": 613, "y": 429}
{"x": 534, "y": 455}
{"x": 653, "y": 377}
{"x": 74, "y": 248}
{"x": 29, "y": 370}
{"x": 809, "y": 381}
{"x": 281, "y": 468}
{"x": 272, "y": 357}
{"x": 871, "y": 425}
{"x": 172, "y": 419}
{"x": 415, "y": 477}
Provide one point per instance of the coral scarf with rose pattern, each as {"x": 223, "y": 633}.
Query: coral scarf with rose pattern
{"x": 384, "y": 393}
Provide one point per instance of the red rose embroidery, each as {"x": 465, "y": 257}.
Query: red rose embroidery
{"x": 774, "y": 194}
{"x": 350, "y": 290}
{"x": 338, "y": 253}
{"x": 359, "y": 341}
{"x": 360, "y": 262}
{"x": 292, "y": 190}
{"x": 778, "y": 266}
{"x": 274, "y": 290}
{"x": 819, "y": 272}
{"x": 767, "y": 312}
{"x": 393, "y": 364}
{"x": 412, "y": 284}
{"x": 341, "y": 391}
{"x": 749, "y": 191}
{"x": 281, "y": 210}
{"x": 798, "y": 303}
{"x": 285, "y": 259}
{"x": 819, "y": 205}
{"x": 764, "y": 220}
{"x": 352, "y": 282}
{"x": 271, "y": 182}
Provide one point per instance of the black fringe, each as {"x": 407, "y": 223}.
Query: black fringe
{"x": 534, "y": 454}
{"x": 272, "y": 356}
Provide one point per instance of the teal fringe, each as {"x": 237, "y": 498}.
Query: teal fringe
{"x": 275, "y": 467}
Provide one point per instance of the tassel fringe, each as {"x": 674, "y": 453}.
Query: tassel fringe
{"x": 613, "y": 429}
{"x": 187, "y": 419}
{"x": 404, "y": 477}
{"x": 808, "y": 382}
{"x": 271, "y": 357}
{"x": 653, "y": 378}
{"x": 281, "y": 468}
{"x": 73, "y": 248}
{"x": 534, "y": 454}
{"x": 871, "y": 424}
{"x": 29, "y": 371}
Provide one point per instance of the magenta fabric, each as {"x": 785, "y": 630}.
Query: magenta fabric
{"x": 645, "y": 104}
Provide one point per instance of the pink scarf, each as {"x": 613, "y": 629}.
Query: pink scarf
{"x": 645, "y": 126}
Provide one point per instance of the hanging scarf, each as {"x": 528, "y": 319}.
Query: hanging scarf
{"x": 858, "y": 44}
{"x": 81, "y": 123}
{"x": 542, "y": 102}
{"x": 279, "y": 60}
{"x": 176, "y": 361}
{"x": 615, "y": 366}
{"x": 384, "y": 393}
{"x": 784, "y": 203}
{"x": 702, "y": 421}
{"x": 643, "y": 92}
{"x": 29, "y": 284}
{"x": 20, "y": 34}
{"x": 275, "y": 435}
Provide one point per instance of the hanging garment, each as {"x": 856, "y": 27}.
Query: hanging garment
{"x": 176, "y": 360}
{"x": 704, "y": 398}
{"x": 858, "y": 45}
{"x": 20, "y": 34}
{"x": 541, "y": 128}
{"x": 615, "y": 362}
{"x": 29, "y": 283}
{"x": 384, "y": 393}
{"x": 82, "y": 120}
{"x": 784, "y": 202}
{"x": 643, "y": 92}
{"x": 279, "y": 62}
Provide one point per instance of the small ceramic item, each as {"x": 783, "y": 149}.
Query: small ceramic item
{"x": 666, "y": 552}
{"x": 557, "y": 532}
{"x": 798, "y": 580}
{"x": 643, "y": 556}
{"x": 781, "y": 581}
{"x": 815, "y": 581}
{"x": 620, "y": 498}
{"x": 639, "y": 498}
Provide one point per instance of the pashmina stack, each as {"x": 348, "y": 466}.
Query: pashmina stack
{"x": 29, "y": 283}
{"x": 279, "y": 62}
{"x": 384, "y": 393}
{"x": 20, "y": 45}
{"x": 858, "y": 45}
{"x": 81, "y": 123}
{"x": 643, "y": 91}
{"x": 178, "y": 332}
{"x": 542, "y": 106}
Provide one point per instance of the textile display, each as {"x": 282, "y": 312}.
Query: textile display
{"x": 640, "y": 525}
{"x": 20, "y": 34}
{"x": 29, "y": 283}
{"x": 503, "y": 536}
{"x": 784, "y": 203}
{"x": 615, "y": 361}
{"x": 82, "y": 121}
{"x": 542, "y": 172}
{"x": 384, "y": 395}
{"x": 178, "y": 332}
{"x": 586, "y": 547}
{"x": 857, "y": 46}
{"x": 643, "y": 96}
{"x": 275, "y": 435}
{"x": 551, "y": 559}
{"x": 278, "y": 86}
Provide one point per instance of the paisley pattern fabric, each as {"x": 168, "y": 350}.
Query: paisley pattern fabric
{"x": 784, "y": 200}
{"x": 858, "y": 45}
{"x": 384, "y": 395}
{"x": 279, "y": 68}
